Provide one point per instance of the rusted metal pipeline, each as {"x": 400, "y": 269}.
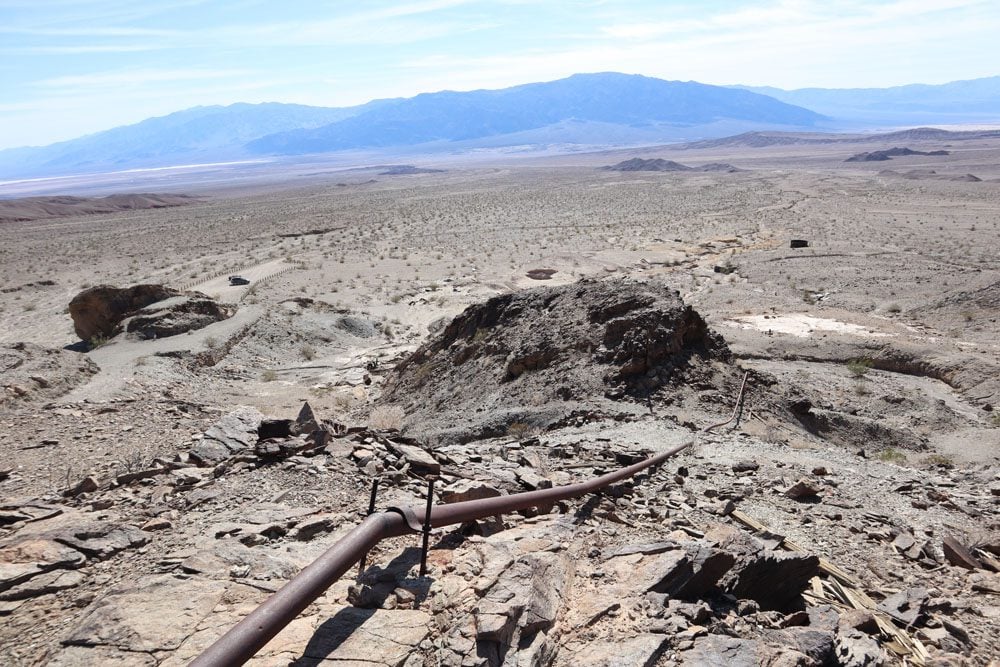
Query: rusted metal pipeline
{"x": 251, "y": 634}
{"x": 736, "y": 408}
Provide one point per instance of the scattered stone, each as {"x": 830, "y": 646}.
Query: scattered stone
{"x": 532, "y": 480}
{"x": 44, "y": 584}
{"x": 103, "y": 540}
{"x": 802, "y": 490}
{"x": 88, "y": 484}
{"x": 29, "y": 558}
{"x": 640, "y": 651}
{"x": 774, "y": 579}
{"x": 907, "y": 607}
{"x": 305, "y": 422}
{"x": 234, "y": 433}
{"x": 746, "y": 466}
{"x": 317, "y": 525}
{"x": 958, "y": 554}
{"x": 723, "y": 650}
{"x": 127, "y": 478}
{"x": 419, "y": 460}
{"x": 157, "y": 524}
{"x": 856, "y": 649}
{"x": 467, "y": 489}
{"x": 857, "y": 619}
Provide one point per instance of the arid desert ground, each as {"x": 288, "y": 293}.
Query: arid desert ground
{"x": 874, "y": 380}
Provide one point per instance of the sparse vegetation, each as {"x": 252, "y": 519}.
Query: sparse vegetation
{"x": 892, "y": 455}
{"x": 940, "y": 460}
{"x": 386, "y": 417}
{"x": 859, "y": 367}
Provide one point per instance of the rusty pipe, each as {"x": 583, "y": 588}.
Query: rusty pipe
{"x": 251, "y": 634}
{"x": 736, "y": 408}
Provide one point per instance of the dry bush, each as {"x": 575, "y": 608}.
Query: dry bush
{"x": 386, "y": 418}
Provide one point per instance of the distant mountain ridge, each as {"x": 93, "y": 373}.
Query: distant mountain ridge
{"x": 620, "y": 99}
{"x": 580, "y": 112}
{"x": 764, "y": 139}
{"x": 972, "y": 100}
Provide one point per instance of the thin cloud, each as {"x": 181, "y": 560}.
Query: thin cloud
{"x": 134, "y": 77}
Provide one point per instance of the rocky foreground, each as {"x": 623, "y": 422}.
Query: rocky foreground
{"x": 742, "y": 550}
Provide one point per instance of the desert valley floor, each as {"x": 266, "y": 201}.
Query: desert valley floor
{"x": 869, "y": 435}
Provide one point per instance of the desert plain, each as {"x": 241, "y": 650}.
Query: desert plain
{"x": 868, "y": 437}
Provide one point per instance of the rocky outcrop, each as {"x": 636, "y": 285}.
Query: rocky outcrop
{"x": 97, "y": 311}
{"x": 176, "y": 315}
{"x": 235, "y": 432}
{"x": 535, "y": 356}
{"x": 35, "y": 374}
{"x": 104, "y": 310}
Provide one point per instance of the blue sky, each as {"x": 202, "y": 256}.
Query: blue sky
{"x": 70, "y": 67}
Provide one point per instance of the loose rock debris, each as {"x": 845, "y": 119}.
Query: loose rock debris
{"x": 657, "y": 570}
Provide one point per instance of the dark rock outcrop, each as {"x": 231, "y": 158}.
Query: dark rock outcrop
{"x": 888, "y": 154}
{"x": 177, "y": 315}
{"x": 151, "y": 311}
{"x": 97, "y": 311}
{"x": 537, "y": 355}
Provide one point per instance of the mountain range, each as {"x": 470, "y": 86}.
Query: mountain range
{"x": 596, "y": 110}
{"x": 975, "y": 100}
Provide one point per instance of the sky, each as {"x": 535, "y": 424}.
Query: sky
{"x": 73, "y": 67}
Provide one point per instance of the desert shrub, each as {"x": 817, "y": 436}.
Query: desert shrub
{"x": 859, "y": 367}
{"x": 892, "y": 456}
{"x": 307, "y": 351}
{"x": 269, "y": 375}
{"x": 942, "y": 460}
{"x": 521, "y": 430}
{"x": 386, "y": 418}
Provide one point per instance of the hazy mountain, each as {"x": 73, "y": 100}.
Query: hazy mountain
{"x": 653, "y": 107}
{"x": 581, "y": 111}
{"x": 765, "y": 139}
{"x": 201, "y": 133}
{"x": 975, "y": 100}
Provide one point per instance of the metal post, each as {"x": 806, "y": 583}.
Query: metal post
{"x": 427, "y": 527}
{"x": 739, "y": 409}
{"x": 371, "y": 510}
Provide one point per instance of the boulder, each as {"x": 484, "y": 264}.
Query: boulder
{"x": 526, "y": 598}
{"x": 420, "y": 461}
{"x": 177, "y": 315}
{"x": 97, "y": 311}
{"x": 723, "y": 650}
{"x": 468, "y": 489}
{"x": 236, "y": 432}
{"x": 958, "y": 554}
{"x": 102, "y": 540}
{"x": 29, "y": 558}
{"x": 306, "y": 421}
{"x": 775, "y": 580}
{"x": 683, "y": 573}
{"x": 641, "y": 651}
{"x": 803, "y": 489}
